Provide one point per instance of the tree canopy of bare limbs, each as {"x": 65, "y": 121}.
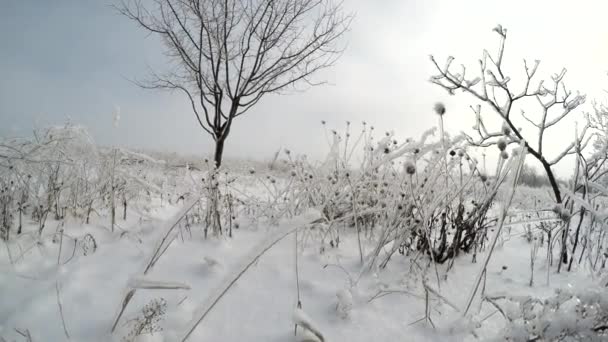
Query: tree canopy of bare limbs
{"x": 494, "y": 88}
{"x": 227, "y": 54}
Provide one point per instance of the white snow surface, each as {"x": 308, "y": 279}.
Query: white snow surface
{"x": 260, "y": 305}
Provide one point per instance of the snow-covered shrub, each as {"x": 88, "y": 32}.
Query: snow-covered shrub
{"x": 59, "y": 173}
{"x": 345, "y": 303}
{"x": 88, "y": 244}
{"x": 413, "y": 195}
{"x": 568, "y": 315}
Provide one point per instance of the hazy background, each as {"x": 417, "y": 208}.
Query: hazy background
{"x": 72, "y": 60}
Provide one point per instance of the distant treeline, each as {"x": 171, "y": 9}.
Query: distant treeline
{"x": 531, "y": 177}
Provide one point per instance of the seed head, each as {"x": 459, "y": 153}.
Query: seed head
{"x": 439, "y": 108}
{"x": 504, "y": 155}
{"x": 502, "y": 144}
{"x": 410, "y": 168}
{"x": 557, "y": 208}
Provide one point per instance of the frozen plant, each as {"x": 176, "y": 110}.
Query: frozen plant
{"x": 568, "y": 315}
{"x": 149, "y": 320}
{"x": 345, "y": 303}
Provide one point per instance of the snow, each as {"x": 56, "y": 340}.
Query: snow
{"x": 247, "y": 284}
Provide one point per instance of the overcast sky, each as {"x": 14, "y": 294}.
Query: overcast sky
{"x": 65, "y": 59}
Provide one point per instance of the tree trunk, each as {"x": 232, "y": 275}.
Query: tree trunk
{"x": 219, "y": 151}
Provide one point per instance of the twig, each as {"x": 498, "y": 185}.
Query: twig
{"x": 65, "y": 329}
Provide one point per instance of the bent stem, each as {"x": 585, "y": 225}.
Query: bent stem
{"x": 501, "y": 222}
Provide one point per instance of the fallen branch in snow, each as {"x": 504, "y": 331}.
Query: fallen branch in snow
{"x": 142, "y": 283}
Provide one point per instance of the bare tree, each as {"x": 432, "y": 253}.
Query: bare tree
{"x": 493, "y": 87}
{"x": 228, "y": 54}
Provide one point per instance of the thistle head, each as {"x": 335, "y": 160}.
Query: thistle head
{"x": 502, "y": 144}
{"x": 557, "y": 208}
{"x": 410, "y": 168}
{"x": 439, "y": 108}
{"x": 561, "y": 211}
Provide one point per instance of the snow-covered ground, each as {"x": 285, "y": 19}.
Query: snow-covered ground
{"x": 341, "y": 299}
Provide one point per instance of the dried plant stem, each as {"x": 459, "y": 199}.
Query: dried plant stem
{"x": 356, "y": 221}
{"x": 8, "y": 252}
{"x": 501, "y": 222}
{"x": 60, "y": 246}
{"x": 161, "y": 247}
{"x": 214, "y": 301}
{"x": 65, "y": 329}
{"x": 299, "y": 304}
{"x": 444, "y": 158}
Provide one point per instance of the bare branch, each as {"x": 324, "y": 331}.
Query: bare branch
{"x": 228, "y": 54}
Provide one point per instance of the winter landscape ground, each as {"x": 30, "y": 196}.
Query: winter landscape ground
{"x": 286, "y": 249}
{"x": 495, "y": 233}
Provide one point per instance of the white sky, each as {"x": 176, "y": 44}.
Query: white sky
{"x": 70, "y": 59}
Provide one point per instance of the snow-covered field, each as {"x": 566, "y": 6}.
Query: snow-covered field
{"x": 163, "y": 271}
{"x": 344, "y": 302}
